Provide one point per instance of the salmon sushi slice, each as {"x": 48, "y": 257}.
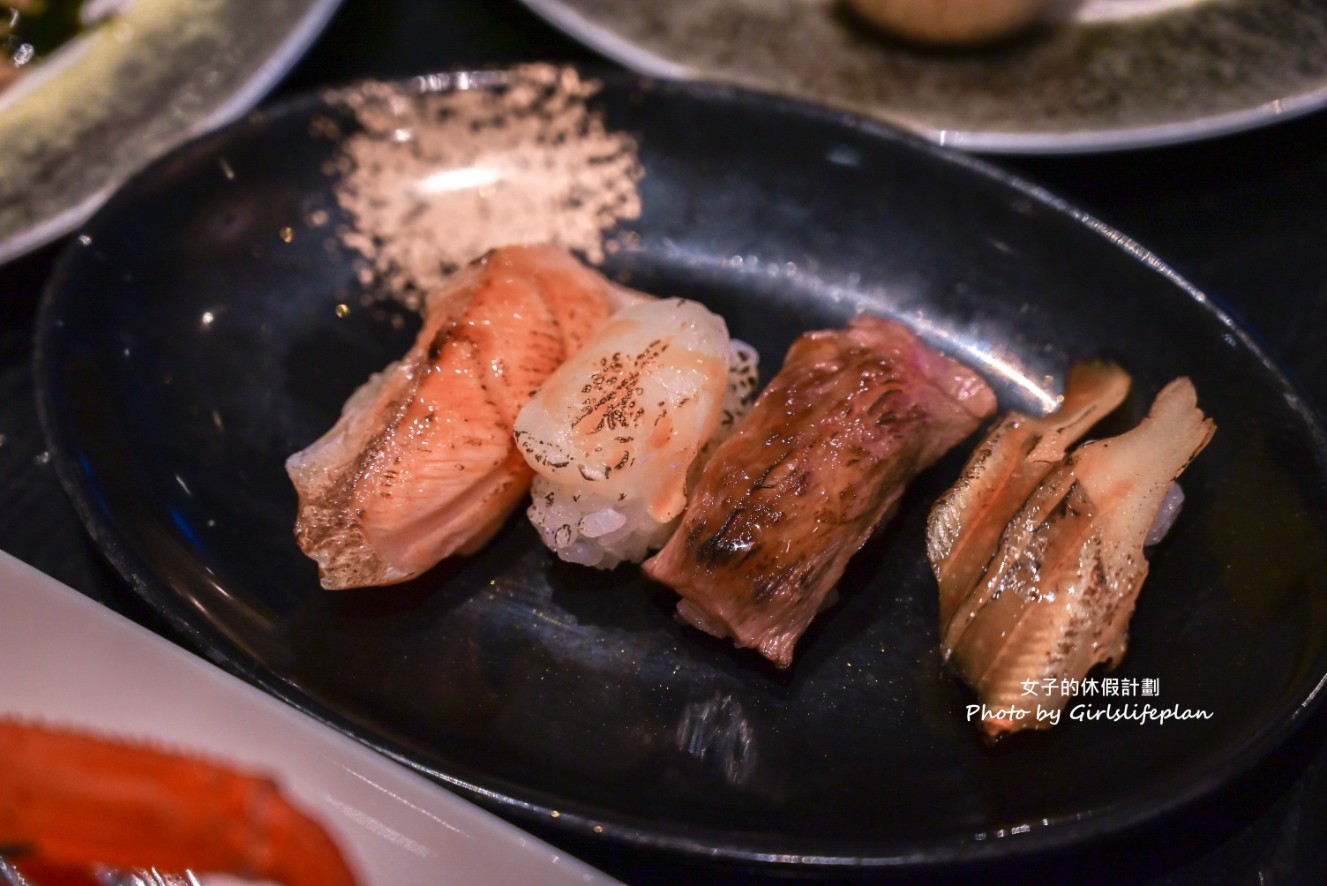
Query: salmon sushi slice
{"x": 422, "y": 464}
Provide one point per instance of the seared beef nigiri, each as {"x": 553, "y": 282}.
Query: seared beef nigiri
{"x": 808, "y": 476}
{"x": 1057, "y": 594}
{"x": 422, "y": 464}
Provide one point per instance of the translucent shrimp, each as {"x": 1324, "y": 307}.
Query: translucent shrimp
{"x": 616, "y": 431}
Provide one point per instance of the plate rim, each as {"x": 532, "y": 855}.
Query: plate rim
{"x": 211, "y": 642}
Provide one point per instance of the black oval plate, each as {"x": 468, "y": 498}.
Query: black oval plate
{"x": 184, "y": 351}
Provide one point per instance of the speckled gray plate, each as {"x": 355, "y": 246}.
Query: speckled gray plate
{"x": 1096, "y": 75}
{"x": 160, "y": 72}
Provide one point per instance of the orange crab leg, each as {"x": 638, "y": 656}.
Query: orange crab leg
{"x": 72, "y": 799}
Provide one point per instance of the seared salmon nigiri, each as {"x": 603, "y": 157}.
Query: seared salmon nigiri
{"x": 422, "y": 463}
{"x": 819, "y": 463}
{"x": 1055, "y": 598}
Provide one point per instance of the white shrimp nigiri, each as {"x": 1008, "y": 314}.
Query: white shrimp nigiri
{"x": 614, "y": 432}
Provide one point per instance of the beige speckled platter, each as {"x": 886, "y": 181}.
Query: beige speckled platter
{"x": 1096, "y": 75}
{"x": 126, "y": 91}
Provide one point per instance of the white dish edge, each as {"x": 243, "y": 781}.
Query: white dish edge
{"x": 65, "y": 659}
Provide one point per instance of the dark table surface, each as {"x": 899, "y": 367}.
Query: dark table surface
{"x": 1242, "y": 217}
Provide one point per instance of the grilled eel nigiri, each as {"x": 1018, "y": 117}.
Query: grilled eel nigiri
{"x": 1056, "y": 597}
{"x": 1018, "y": 451}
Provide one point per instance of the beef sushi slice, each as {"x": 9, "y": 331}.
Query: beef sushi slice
{"x": 819, "y": 463}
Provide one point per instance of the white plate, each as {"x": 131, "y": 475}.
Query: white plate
{"x": 1095, "y": 75}
{"x": 65, "y": 659}
{"x": 129, "y": 89}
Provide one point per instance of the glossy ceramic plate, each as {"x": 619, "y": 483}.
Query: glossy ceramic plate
{"x": 127, "y": 90}
{"x": 1095, "y": 75}
{"x": 216, "y": 314}
{"x": 65, "y": 661}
